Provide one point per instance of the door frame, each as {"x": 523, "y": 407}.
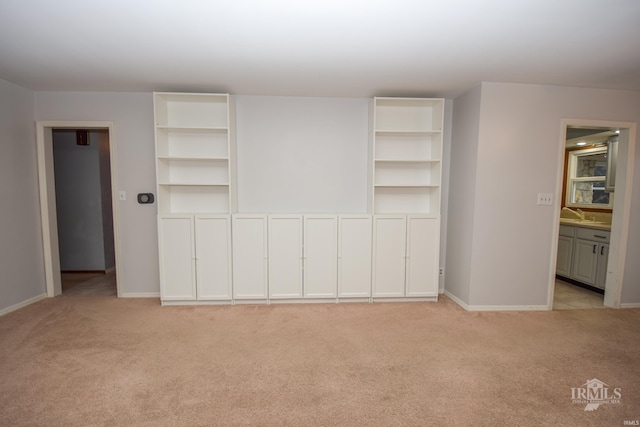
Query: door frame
{"x": 621, "y": 210}
{"x": 48, "y": 215}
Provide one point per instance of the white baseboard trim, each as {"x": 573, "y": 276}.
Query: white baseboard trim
{"x": 194, "y": 302}
{"x": 140, "y": 295}
{"x": 630, "y": 305}
{"x": 456, "y": 300}
{"x": 468, "y": 307}
{"x": 508, "y": 308}
{"x": 22, "y": 304}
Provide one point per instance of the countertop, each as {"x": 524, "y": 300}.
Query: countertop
{"x": 586, "y": 224}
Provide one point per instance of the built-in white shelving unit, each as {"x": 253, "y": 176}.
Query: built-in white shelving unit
{"x": 211, "y": 254}
{"x": 407, "y": 155}
{"x": 194, "y": 153}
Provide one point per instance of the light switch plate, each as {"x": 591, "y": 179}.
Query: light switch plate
{"x": 545, "y": 199}
{"x": 123, "y": 195}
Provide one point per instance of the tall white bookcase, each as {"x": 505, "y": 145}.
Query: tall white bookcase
{"x": 195, "y": 153}
{"x": 407, "y": 155}
{"x": 406, "y": 171}
{"x": 196, "y": 195}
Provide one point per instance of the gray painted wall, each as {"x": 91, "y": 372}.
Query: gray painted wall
{"x": 464, "y": 149}
{"x": 133, "y": 141}
{"x": 301, "y": 155}
{"x": 520, "y": 131}
{"x": 21, "y": 259}
{"x": 484, "y": 246}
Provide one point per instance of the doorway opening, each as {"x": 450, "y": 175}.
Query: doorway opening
{"x": 76, "y": 165}
{"x": 84, "y": 211}
{"x": 594, "y": 194}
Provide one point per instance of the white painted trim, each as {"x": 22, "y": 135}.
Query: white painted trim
{"x": 45, "y": 165}
{"x": 167, "y": 303}
{"x": 456, "y": 300}
{"x": 468, "y": 307}
{"x": 625, "y": 219}
{"x": 630, "y": 305}
{"x": 22, "y": 304}
{"x": 613, "y": 288}
{"x": 507, "y": 308}
{"x": 48, "y": 247}
{"x": 572, "y": 166}
{"x": 404, "y": 299}
{"x": 140, "y": 295}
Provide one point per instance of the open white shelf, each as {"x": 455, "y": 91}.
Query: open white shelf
{"x": 194, "y": 164}
{"x": 408, "y": 146}
{"x": 192, "y": 110}
{"x": 408, "y": 114}
{"x": 407, "y": 200}
{"x": 407, "y": 155}
{"x": 407, "y": 173}
{"x": 193, "y": 199}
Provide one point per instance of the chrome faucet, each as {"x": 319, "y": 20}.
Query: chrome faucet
{"x": 579, "y": 213}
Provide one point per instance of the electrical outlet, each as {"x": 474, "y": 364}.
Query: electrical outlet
{"x": 442, "y": 272}
{"x": 545, "y": 199}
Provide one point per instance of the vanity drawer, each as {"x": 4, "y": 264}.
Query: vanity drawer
{"x": 594, "y": 235}
{"x": 567, "y": 230}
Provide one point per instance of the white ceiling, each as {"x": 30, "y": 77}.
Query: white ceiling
{"x": 346, "y": 48}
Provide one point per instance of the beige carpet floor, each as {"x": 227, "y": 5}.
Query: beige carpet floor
{"x": 101, "y": 361}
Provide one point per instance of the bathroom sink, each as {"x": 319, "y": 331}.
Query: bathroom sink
{"x": 575, "y": 220}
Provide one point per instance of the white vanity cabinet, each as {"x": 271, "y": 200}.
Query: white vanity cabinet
{"x": 565, "y": 250}
{"x": 250, "y": 258}
{"x": 355, "y": 238}
{"x": 583, "y": 254}
{"x": 601, "y": 271}
{"x": 195, "y": 258}
{"x": 405, "y": 256}
{"x": 591, "y": 251}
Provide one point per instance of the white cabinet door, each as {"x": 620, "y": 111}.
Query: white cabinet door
{"x": 320, "y": 256}
{"x": 249, "y": 256}
{"x": 177, "y": 263}
{"x": 603, "y": 258}
{"x": 213, "y": 257}
{"x": 585, "y": 260}
{"x": 354, "y": 256}
{"x": 285, "y": 256}
{"x": 423, "y": 244}
{"x": 565, "y": 253}
{"x": 389, "y": 251}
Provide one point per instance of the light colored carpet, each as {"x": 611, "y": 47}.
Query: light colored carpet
{"x": 96, "y": 361}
